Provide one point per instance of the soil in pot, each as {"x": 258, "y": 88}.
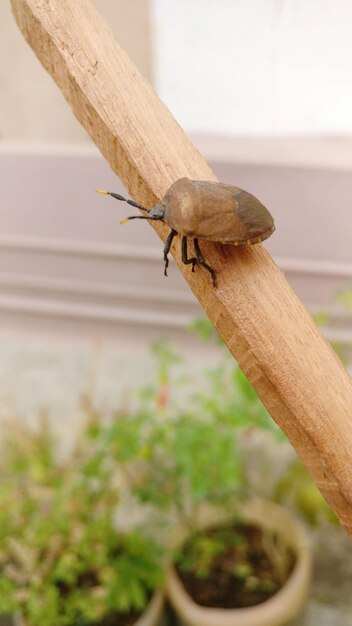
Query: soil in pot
{"x": 115, "y": 619}
{"x": 238, "y": 566}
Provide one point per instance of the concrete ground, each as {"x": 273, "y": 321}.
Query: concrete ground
{"x": 330, "y": 600}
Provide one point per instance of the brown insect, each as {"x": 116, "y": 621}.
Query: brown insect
{"x": 207, "y": 210}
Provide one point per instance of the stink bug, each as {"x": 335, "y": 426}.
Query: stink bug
{"x": 207, "y": 210}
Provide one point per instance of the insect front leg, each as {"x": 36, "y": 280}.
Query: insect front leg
{"x": 167, "y": 247}
{"x": 185, "y": 258}
{"x": 202, "y": 261}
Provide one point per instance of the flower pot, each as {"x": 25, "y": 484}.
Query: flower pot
{"x": 154, "y": 611}
{"x": 151, "y": 616}
{"x": 278, "y": 610}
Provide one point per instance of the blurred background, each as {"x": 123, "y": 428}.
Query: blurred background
{"x": 264, "y": 90}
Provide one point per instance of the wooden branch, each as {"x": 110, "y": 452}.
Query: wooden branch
{"x": 274, "y": 339}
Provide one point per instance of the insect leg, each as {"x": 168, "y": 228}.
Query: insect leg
{"x": 185, "y": 258}
{"x": 167, "y": 247}
{"x": 201, "y": 260}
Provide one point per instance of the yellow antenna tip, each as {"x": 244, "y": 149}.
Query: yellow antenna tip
{"x": 106, "y": 193}
{"x": 124, "y": 220}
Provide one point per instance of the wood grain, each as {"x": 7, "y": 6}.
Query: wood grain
{"x": 294, "y": 370}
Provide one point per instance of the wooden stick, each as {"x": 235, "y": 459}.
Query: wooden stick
{"x": 293, "y": 369}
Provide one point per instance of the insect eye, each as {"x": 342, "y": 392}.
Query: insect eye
{"x": 157, "y": 212}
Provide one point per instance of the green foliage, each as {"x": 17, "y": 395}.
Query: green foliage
{"x": 205, "y": 330}
{"x": 298, "y": 489}
{"x": 229, "y": 394}
{"x": 182, "y": 446}
{"x": 62, "y": 560}
{"x": 182, "y": 467}
{"x": 232, "y": 397}
{"x": 345, "y": 297}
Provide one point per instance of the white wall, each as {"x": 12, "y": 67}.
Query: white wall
{"x": 255, "y": 66}
{"x": 68, "y": 268}
{"x": 223, "y": 66}
{"x": 32, "y": 108}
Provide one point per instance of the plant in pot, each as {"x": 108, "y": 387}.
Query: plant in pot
{"x": 63, "y": 562}
{"x": 233, "y": 559}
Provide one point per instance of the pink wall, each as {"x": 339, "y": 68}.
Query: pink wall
{"x": 64, "y": 256}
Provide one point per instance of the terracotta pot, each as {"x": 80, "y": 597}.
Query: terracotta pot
{"x": 280, "y": 608}
{"x": 150, "y": 617}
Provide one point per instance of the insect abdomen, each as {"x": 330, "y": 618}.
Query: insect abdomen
{"x": 216, "y": 212}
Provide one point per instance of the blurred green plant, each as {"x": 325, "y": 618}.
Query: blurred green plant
{"x": 62, "y": 560}
{"x": 182, "y": 448}
{"x": 296, "y": 487}
{"x": 343, "y": 298}
{"x": 183, "y": 445}
{"x": 297, "y": 490}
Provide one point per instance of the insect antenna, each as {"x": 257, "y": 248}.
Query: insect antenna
{"x": 138, "y": 217}
{"x": 118, "y": 197}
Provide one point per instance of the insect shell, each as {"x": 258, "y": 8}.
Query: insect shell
{"x": 207, "y": 210}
